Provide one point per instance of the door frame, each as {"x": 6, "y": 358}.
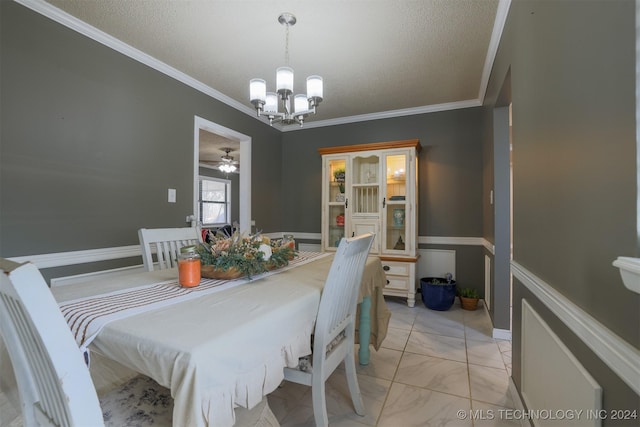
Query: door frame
{"x": 245, "y": 168}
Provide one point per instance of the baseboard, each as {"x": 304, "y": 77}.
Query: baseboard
{"x": 501, "y": 334}
{"x": 517, "y": 402}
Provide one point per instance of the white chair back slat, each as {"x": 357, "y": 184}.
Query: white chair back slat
{"x": 53, "y": 381}
{"x": 340, "y": 293}
{"x": 167, "y": 243}
{"x": 336, "y": 315}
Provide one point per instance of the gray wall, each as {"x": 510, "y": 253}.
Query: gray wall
{"x": 450, "y": 168}
{"x": 91, "y": 141}
{"x": 572, "y": 82}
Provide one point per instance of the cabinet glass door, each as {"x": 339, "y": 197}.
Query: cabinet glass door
{"x": 396, "y": 221}
{"x": 336, "y": 169}
{"x": 365, "y": 186}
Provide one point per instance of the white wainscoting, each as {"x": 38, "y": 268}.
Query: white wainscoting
{"x": 310, "y": 247}
{"x": 436, "y": 263}
{"x": 487, "y": 281}
{"x": 79, "y": 278}
{"x": 621, "y": 357}
{"x": 552, "y": 378}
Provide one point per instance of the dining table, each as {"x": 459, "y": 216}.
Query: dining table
{"x": 217, "y": 346}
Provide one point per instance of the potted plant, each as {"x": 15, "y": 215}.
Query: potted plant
{"x": 438, "y": 293}
{"x": 468, "y": 298}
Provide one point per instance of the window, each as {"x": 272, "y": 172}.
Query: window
{"x": 214, "y": 201}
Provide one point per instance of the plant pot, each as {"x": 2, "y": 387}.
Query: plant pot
{"x": 209, "y": 272}
{"x": 439, "y": 296}
{"x": 469, "y": 303}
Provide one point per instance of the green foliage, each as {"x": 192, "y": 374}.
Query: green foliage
{"x": 250, "y": 255}
{"x": 468, "y": 293}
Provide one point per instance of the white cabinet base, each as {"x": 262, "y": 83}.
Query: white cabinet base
{"x": 401, "y": 278}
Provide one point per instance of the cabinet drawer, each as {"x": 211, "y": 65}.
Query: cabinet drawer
{"x": 395, "y": 268}
{"x": 397, "y": 282}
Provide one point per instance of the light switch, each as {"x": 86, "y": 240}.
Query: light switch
{"x": 172, "y": 195}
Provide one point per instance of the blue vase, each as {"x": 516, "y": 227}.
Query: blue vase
{"x": 438, "y": 296}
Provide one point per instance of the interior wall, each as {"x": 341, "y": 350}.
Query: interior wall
{"x": 449, "y": 168}
{"x": 91, "y": 141}
{"x": 574, "y": 166}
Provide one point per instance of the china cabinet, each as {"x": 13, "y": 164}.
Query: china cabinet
{"x": 374, "y": 188}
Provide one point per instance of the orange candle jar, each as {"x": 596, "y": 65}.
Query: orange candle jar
{"x": 188, "y": 267}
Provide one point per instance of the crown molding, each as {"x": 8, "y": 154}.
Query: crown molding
{"x": 73, "y": 23}
{"x": 494, "y": 43}
{"x": 387, "y": 114}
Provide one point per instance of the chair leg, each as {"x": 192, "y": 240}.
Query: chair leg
{"x": 352, "y": 381}
{"x": 319, "y": 401}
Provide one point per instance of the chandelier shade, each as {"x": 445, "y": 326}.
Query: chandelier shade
{"x": 277, "y": 107}
{"x": 284, "y": 81}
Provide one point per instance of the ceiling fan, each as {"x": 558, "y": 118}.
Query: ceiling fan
{"x": 228, "y": 165}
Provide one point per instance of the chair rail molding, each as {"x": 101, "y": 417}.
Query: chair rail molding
{"x": 618, "y": 354}
{"x": 59, "y": 259}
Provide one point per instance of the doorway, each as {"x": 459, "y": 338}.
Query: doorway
{"x": 244, "y": 214}
{"x": 503, "y": 210}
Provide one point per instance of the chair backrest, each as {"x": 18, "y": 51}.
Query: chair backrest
{"x": 340, "y": 293}
{"x": 167, "y": 242}
{"x": 53, "y": 380}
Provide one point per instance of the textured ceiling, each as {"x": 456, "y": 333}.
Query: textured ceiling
{"x": 378, "y": 58}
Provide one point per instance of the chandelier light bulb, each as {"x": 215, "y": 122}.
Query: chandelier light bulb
{"x": 314, "y": 87}
{"x": 271, "y": 103}
{"x": 284, "y": 80}
{"x": 300, "y": 103}
{"x": 257, "y": 90}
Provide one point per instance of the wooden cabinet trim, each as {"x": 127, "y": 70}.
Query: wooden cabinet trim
{"x": 411, "y": 143}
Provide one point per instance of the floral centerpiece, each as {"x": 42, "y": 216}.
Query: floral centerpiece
{"x": 238, "y": 255}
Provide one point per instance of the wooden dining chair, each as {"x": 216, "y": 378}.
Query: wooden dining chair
{"x": 333, "y": 337}
{"x": 167, "y": 243}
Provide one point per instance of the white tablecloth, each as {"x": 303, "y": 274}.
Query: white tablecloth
{"x": 223, "y": 349}
{"x": 220, "y": 350}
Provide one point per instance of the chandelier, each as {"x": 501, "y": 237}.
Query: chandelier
{"x": 266, "y": 103}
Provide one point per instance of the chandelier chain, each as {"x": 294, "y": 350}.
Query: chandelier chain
{"x": 286, "y": 46}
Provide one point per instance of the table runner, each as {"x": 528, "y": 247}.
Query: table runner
{"x": 87, "y": 316}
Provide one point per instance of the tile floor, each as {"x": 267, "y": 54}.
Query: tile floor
{"x": 431, "y": 365}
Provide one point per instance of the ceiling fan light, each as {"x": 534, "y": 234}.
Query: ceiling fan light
{"x": 257, "y": 91}
{"x": 227, "y": 168}
{"x": 284, "y": 80}
{"x": 271, "y": 103}
{"x": 300, "y": 103}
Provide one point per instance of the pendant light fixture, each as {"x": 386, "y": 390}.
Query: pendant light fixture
{"x": 277, "y": 106}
